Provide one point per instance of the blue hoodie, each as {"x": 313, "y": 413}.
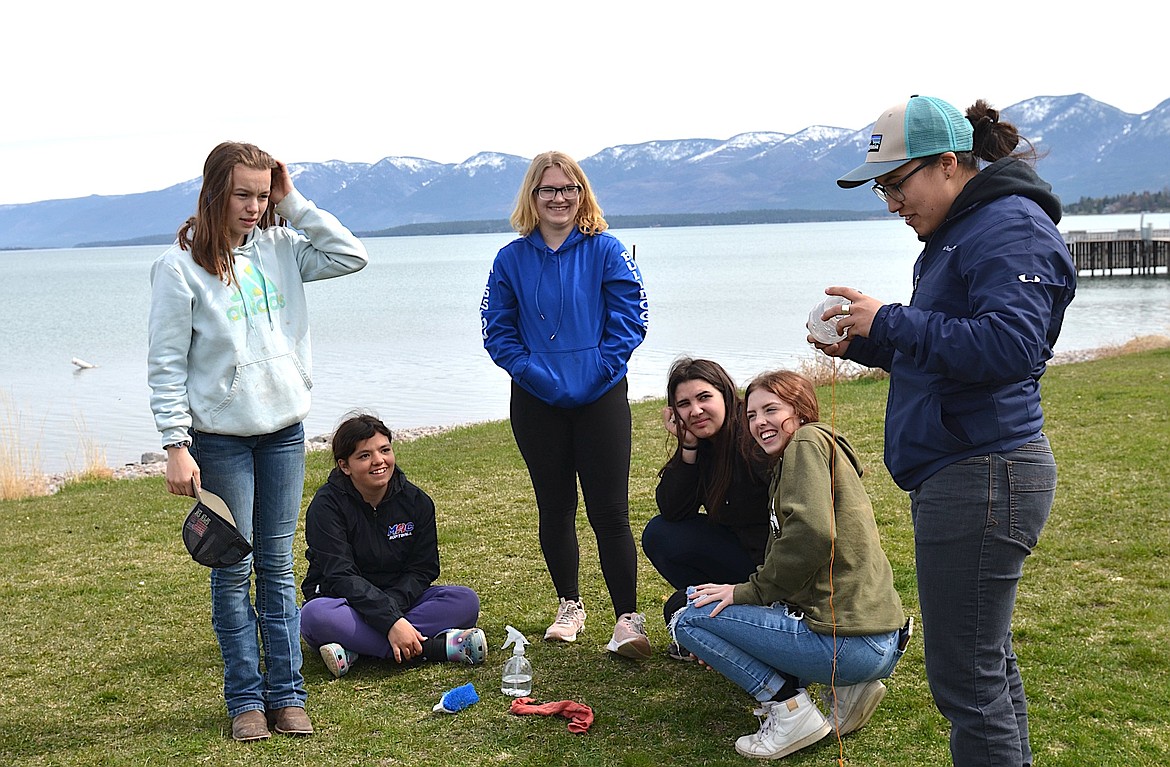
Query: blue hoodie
{"x": 966, "y": 356}
{"x": 563, "y": 323}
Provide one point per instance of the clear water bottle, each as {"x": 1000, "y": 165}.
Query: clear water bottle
{"x": 825, "y": 331}
{"x": 517, "y": 677}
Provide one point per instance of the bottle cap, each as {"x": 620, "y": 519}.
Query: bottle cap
{"x": 516, "y": 638}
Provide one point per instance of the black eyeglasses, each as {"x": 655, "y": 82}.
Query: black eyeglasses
{"x": 894, "y": 191}
{"x": 569, "y": 192}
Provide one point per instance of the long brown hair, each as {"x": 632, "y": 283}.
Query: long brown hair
{"x": 731, "y": 438}
{"x": 206, "y": 234}
{"x": 525, "y": 218}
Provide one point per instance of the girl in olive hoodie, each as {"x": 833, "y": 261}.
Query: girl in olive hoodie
{"x": 822, "y": 607}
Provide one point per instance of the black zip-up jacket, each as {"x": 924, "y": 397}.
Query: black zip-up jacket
{"x": 682, "y": 490}
{"x": 379, "y": 560}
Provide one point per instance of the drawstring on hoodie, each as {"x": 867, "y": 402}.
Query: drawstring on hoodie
{"x": 536, "y": 292}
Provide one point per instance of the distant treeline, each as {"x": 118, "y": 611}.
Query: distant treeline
{"x": 641, "y": 222}
{"x": 1134, "y": 202}
{"x": 616, "y": 222}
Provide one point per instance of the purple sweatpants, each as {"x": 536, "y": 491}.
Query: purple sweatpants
{"x": 328, "y": 619}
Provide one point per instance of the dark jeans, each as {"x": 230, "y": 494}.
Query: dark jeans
{"x": 591, "y": 442}
{"x": 975, "y": 522}
{"x": 694, "y": 551}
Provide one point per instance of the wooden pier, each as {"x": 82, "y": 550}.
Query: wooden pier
{"x": 1126, "y": 251}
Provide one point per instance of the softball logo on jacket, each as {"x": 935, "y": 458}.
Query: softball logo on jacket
{"x": 400, "y": 530}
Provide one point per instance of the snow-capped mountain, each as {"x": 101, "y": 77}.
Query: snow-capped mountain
{"x": 1089, "y": 149}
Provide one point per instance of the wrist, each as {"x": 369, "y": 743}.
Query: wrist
{"x": 180, "y": 445}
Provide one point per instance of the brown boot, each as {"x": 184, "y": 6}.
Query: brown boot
{"x": 292, "y": 720}
{"x": 249, "y": 726}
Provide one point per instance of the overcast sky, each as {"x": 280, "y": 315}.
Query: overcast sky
{"x": 130, "y": 95}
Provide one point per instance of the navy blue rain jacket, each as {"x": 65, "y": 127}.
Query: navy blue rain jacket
{"x": 966, "y": 356}
{"x": 563, "y": 323}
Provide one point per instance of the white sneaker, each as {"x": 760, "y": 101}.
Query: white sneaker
{"x": 629, "y": 637}
{"x": 337, "y": 658}
{"x": 569, "y": 621}
{"x": 854, "y": 704}
{"x": 790, "y": 726}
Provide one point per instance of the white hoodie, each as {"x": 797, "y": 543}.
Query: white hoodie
{"x": 229, "y": 361}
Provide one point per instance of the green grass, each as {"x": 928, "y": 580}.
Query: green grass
{"x": 108, "y": 657}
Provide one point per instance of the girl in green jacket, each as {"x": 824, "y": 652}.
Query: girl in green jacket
{"x": 822, "y": 607}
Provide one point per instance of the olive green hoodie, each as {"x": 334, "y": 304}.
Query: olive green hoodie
{"x": 824, "y": 556}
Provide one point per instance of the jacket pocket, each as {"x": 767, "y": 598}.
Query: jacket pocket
{"x": 966, "y": 419}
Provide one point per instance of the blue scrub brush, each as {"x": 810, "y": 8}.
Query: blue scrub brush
{"x": 456, "y": 700}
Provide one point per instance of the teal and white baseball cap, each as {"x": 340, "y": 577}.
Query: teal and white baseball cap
{"x": 921, "y": 127}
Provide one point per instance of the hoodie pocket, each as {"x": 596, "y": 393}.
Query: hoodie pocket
{"x": 566, "y": 379}
{"x": 264, "y": 391}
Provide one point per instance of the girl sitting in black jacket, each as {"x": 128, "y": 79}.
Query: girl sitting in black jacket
{"x": 373, "y": 556}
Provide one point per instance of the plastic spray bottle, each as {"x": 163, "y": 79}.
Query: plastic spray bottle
{"x": 517, "y": 678}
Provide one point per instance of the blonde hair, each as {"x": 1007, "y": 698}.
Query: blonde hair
{"x": 525, "y": 218}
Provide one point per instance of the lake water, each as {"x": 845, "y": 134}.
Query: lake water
{"x": 402, "y": 336}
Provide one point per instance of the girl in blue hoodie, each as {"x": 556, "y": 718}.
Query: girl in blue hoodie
{"x": 563, "y": 310}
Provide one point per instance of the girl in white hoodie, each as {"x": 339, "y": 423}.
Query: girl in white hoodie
{"x": 230, "y": 373}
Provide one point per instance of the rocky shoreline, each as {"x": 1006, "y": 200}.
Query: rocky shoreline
{"x": 154, "y": 464}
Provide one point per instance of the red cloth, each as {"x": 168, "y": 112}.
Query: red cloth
{"x": 579, "y": 715}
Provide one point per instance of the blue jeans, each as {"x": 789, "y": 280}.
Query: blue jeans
{"x": 760, "y": 647}
{"x": 975, "y": 522}
{"x": 261, "y": 479}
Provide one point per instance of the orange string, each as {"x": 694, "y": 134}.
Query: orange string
{"x": 833, "y": 551}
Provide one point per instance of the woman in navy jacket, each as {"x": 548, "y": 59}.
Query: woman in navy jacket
{"x": 963, "y": 418}
{"x": 563, "y": 310}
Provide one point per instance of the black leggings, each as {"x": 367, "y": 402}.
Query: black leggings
{"x": 591, "y": 442}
